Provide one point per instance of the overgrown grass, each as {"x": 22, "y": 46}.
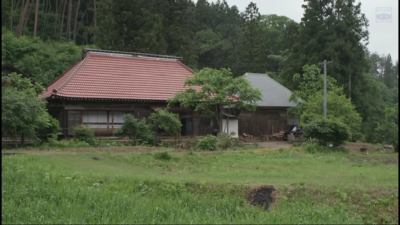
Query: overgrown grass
{"x": 139, "y": 188}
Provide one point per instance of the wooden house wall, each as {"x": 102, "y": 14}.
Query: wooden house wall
{"x": 263, "y": 121}
{"x": 105, "y": 117}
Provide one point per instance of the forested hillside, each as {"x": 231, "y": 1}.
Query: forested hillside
{"x": 45, "y": 37}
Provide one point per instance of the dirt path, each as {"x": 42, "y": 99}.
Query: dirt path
{"x": 263, "y": 145}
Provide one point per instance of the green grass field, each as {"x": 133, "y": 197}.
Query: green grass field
{"x": 191, "y": 189}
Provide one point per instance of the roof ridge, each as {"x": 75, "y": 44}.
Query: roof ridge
{"x": 265, "y": 74}
{"x": 72, "y": 75}
{"x": 186, "y": 67}
{"x": 64, "y": 73}
{"x": 132, "y": 53}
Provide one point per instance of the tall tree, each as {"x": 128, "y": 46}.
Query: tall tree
{"x": 62, "y": 19}
{"x": 251, "y": 46}
{"x": 332, "y": 30}
{"x": 217, "y": 88}
{"x": 68, "y": 32}
{"x": 24, "y": 10}
{"x": 388, "y": 72}
{"x": 76, "y": 19}
{"x": 36, "y": 18}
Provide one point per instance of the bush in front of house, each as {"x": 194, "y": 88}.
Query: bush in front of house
{"x": 45, "y": 133}
{"x": 84, "y": 133}
{"x": 327, "y": 131}
{"x": 225, "y": 141}
{"x": 208, "y": 143}
{"x": 136, "y": 129}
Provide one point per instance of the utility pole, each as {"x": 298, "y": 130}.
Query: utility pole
{"x": 325, "y": 62}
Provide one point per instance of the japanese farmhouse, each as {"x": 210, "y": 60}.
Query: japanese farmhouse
{"x": 104, "y": 85}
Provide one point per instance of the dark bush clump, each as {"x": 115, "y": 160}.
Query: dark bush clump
{"x": 327, "y": 131}
{"x": 84, "y": 133}
{"x": 208, "y": 143}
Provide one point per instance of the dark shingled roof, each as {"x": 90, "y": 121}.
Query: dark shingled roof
{"x": 274, "y": 94}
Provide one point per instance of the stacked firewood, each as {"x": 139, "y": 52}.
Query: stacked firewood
{"x": 278, "y": 136}
{"x": 247, "y": 137}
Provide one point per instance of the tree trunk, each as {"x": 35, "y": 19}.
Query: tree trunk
{"x": 11, "y": 15}
{"x": 36, "y": 18}
{"x": 58, "y": 9}
{"x": 350, "y": 86}
{"x": 83, "y": 16}
{"x": 27, "y": 17}
{"x": 68, "y": 33}
{"x": 76, "y": 19}
{"x": 24, "y": 8}
{"x": 95, "y": 22}
{"x": 22, "y": 140}
{"x": 46, "y": 9}
{"x": 62, "y": 19}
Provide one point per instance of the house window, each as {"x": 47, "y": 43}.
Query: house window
{"x": 95, "y": 119}
{"x": 118, "y": 119}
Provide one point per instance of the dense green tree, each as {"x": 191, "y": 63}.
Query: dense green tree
{"x": 310, "y": 101}
{"x": 218, "y": 89}
{"x": 388, "y": 72}
{"x": 22, "y": 113}
{"x": 388, "y": 131}
{"x": 250, "y": 55}
{"x": 332, "y": 30}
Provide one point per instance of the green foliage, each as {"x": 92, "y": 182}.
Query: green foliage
{"x": 327, "y": 131}
{"x": 310, "y": 101}
{"x": 313, "y": 148}
{"x": 217, "y": 88}
{"x": 389, "y": 130}
{"x": 53, "y": 129}
{"x": 22, "y": 112}
{"x": 84, "y": 133}
{"x": 136, "y": 129}
{"x": 44, "y": 62}
{"x": 166, "y": 121}
{"x": 208, "y": 143}
{"x": 73, "y": 143}
{"x": 96, "y": 192}
{"x": 163, "y": 155}
{"x": 331, "y": 30}
{"x": 225, "y": 141}
{"x": 251, "y": 45}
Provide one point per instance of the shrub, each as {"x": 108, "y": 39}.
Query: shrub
{"x": 44, "y": 133}
{"x": 136, "y": 129}
{"x": 84, "y": 133}
{"x": 208, "y": 143}
{"x": 238, "y": 143}
{"x": 327, "y": 131}
{"x": 164, "y": 155}
{"x": 166, "y": 121}
{"x": 73, "y": 143}
{"x": 225, "y": 141}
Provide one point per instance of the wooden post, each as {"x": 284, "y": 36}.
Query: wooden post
{"x": 66, "y": 124}
{"x": 81, "y": 117}
{"x": 108, "y": 120}
{"x": 195, "y": 124}
{"x": 112, "y": 121}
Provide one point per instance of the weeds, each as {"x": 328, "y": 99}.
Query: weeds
{"x": 164, "y": 155}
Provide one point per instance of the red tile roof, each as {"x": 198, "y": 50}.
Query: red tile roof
{"x": 121, "y": 76}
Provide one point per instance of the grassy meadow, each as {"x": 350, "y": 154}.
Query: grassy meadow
{"x": 95, "y": 187}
